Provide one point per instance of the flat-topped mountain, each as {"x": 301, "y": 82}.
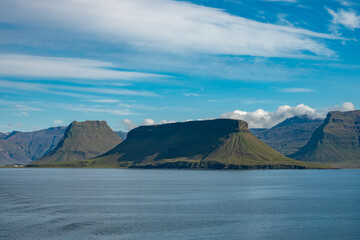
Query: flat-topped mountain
{"x": 336, "y": 142}
{"x": 219, "y": 144}
{"x": 82, "y": 140}
{"x": 24, "y": 147}
{"x": 290, "y": 135}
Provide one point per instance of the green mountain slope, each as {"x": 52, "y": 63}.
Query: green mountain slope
{"x": 82, "y": 140}
{"x": 336, "y": 142}
{"x": 24, "y": 147}
{"x": 290, "y": 135}
{"x": 220, "y": 144}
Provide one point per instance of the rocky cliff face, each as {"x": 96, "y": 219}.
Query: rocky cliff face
{"x": 24, "y": 147}
{"x": 335, "y": 142}
{"x": 290, "y": 135}
{"x": 83, "y": 140}
{"x": 221, "y": 143}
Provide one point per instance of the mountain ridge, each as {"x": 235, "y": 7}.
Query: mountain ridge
{"x": 289, "y": 136}
{"x": 208, "y": 144}
{"x": 24, "y": 147}
{"x": 336, "y": 142}
{"x": 82, "y": 140}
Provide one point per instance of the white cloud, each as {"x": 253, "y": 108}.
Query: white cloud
{"x": 138, "y": 106}
{"x": 128, "y": 124}
{"x": 105, "y": 100}
{"x": 25, "y": 108}
{"x": 57, "y": 67}
{"x": 191, "y": 95}
{"x": 297, "y": 90}
{"x": 346, "y": 3}
{"x": 346, "y": 106}
{"x": 349, "y": 19}
{"x": 19, "y": 106}
{"x": 288, "y": 1}
{"x": 64, "y": 90}
{"x": 111, "y": 91}
{"x": 283, "y": 21}
{"x": 166, "y": 122}
{"x": 22, "y": 110}
{"x": 257, "y": 101}
{"x": 265, "y": 119}
{"x": 58, "y": 122}
{"x": 20, "y": 86}
{"x": 163, "y": 25}
{"x": 148, "y": 121}
{"x": 223, "y": 67}
{"x": 116, "y": 112}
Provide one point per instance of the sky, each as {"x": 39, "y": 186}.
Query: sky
{"x": 144, "y": 62}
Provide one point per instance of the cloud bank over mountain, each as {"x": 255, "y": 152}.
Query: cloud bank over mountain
{"x": 265, "y": 119}
{"x": 259, "y": 118}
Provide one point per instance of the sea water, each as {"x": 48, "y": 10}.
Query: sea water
{"x": 179, "y": 204}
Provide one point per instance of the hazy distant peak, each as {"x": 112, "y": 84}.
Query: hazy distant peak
{"x": 298, "y": 120}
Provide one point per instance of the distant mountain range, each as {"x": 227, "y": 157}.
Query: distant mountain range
{"x": 82, "y": 140}
{"x": 336, "y": 142}
{"x": 221, "y": 143}
{"x": 211, "y": 144}
{"x": 290, "y": 135}
{"x": 24, "y": 147}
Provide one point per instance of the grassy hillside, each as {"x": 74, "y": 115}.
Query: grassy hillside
{"x": 335, "y": 142}
{"x": 82, "y": 140}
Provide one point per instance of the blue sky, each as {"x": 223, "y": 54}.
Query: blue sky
{"x": 144, "y": 62}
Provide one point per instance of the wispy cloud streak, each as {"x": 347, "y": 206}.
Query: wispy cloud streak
{"x": 69, "y": 90}
{"x": 57, "y": 67}
{"x": 166, "y": 25}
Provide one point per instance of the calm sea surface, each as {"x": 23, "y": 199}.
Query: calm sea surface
{"x": 179, "y": 204}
